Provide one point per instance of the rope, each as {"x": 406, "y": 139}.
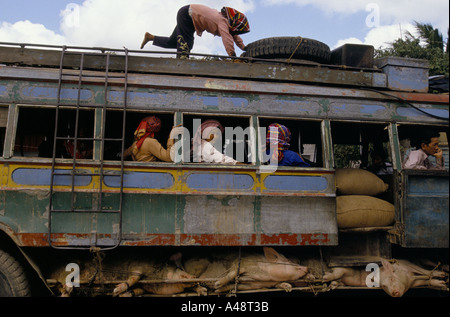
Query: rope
{"x": 296, "y": 49}
{"x": 236, "y": 281}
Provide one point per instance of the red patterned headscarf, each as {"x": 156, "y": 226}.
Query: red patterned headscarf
{"x": 147, "y": 128}
{"x": 238, "y": 21}
{"x": 280, "y": 136}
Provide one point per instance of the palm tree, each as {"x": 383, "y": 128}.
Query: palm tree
{"x": 432, "y": 37}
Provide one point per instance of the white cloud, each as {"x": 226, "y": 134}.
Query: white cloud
{"x": 118, "y": 23}
{"x": 115, "y": 24}
{"x": 382, "y": 36}
{"x": 27, "y": 32}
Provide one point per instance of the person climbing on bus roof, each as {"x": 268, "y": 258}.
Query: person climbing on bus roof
{"x": 428, "y": 145}
{"x": 146, "y": 148}
{"x": 197, "y": 18}
{"x": 278, "y": 142}
{"x": 207, "y": 137}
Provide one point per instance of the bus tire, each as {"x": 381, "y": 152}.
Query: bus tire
{"x": 289, "y": 47}
{"x": 13, "y": 280}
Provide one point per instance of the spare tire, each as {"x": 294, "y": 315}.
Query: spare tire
{"x": 289, "y": 47}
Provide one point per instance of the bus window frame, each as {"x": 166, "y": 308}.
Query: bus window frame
{"x": 15, "y": 112}
{"x": 386, "y": 126}
{"x": 277, "y": 119}
{"x": 129, "y": 130}
{"x": 252, "y": 147}
{"x": 5, "y": 150}
{"x": 398, "y": 127}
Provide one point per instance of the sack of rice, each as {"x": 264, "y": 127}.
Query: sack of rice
{"x": 355, "y": 181}
{"x": 356, "y": 211}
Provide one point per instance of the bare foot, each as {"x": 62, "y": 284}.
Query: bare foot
{"x": 147, "y": 38}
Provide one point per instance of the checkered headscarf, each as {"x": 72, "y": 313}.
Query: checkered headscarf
{"x": 280, "y": 136}
{"x": 238, "y": 21}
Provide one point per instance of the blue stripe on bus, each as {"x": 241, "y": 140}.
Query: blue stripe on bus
{"x": 296, "y": 183}
{"x": 207, "y": 181}
{"x": 49, "y": 92}
{"x": 42, "y": 177}
{"x": 141, "y": 180}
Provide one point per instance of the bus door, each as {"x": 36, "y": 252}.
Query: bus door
{"x": 424, "y": 212}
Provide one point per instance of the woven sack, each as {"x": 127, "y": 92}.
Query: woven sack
{"x": 356, "y": 211}
{"x": 355, "y": 181}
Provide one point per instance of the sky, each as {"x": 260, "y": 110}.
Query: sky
{"x": 122, "y": 23}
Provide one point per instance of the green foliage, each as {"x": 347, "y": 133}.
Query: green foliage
{"x": 412, "y": 47}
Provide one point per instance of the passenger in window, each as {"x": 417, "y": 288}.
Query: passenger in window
{"x": 145, "y": 147}
{"x": 84, "y": 149}
{"x": 279, "y": 138}
{"x": 380, "y": 165}
{"x": 207, "y": 137}
{"x": 428, "y": 146}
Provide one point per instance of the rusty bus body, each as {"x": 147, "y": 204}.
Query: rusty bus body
{"x": 54, "y": 205}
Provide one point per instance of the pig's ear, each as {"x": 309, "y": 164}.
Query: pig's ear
{"x": 270, "y": 254}
{"x": 387, "y": 266}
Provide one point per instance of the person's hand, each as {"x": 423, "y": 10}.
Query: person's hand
{"x": 438, "y": 153}
{"x": 178, "y": 130}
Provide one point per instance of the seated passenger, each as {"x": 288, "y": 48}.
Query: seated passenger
{"x": 146, "y": 148}
{"x": 379, "y": 164}
{"x": 207, "y": 135}
{"x": 278, "y": 137}
{"x": 428, "y": 146}
{"x": 84, "y": 148}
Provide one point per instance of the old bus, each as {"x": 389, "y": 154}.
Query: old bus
{"x": 61, "y": 213}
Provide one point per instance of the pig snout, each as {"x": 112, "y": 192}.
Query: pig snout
{"x": 393, "y": 287}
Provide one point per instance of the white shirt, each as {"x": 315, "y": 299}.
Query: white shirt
{"x": 211, "y": 155}
{"x": 419, "y": 160}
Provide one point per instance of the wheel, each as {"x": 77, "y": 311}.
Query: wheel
{"x": 13, "y": 282}
{"x": 289, "y": 47}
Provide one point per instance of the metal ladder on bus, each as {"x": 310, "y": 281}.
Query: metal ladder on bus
{"x": 97, "y": 207}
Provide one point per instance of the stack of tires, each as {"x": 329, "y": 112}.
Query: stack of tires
{"x": 356, "y": 206}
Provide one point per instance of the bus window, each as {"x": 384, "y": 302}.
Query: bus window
{"x": 305, "y": 138}
{"x": 410, "y": 136}
{"x": 361, "y": 145}
{"x": 113, "y": 131}
{"x": 3, "y": 122}
{"x": 235, "y": 141}
{"x": 36, "y": 128}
